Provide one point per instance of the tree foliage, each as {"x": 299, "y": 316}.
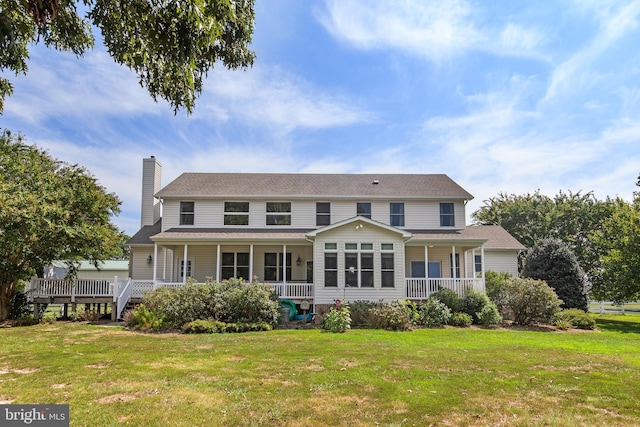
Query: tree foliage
{"x": 553, "y": 261}
{"x": 49, "y": 210}
{"x": 570, "y": 217}
{"x": 619, "y": 240}
{"x": 170, "y": 44}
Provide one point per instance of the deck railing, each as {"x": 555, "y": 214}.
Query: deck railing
{"x": 47, "y": 288}
{"x": 422, "y": 288}
{"x": 123, "y": 288}
{"x": 293, "y": 290}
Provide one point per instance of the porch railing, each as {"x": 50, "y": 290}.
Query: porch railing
{"x": 45, "y": 288}
{"x": 422, "y": 288}
{"x": 124, "y": 288}
{"x": 293, "y": 290}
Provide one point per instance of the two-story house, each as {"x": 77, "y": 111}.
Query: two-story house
{"x": 318, "y": 237}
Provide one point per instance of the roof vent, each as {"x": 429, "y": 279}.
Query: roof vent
{"x": 375, "y": 182}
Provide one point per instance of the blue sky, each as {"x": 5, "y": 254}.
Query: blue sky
{"x": 502, "y": 96}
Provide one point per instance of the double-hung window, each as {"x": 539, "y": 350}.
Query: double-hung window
{"x": 323, "y": 213}
{"x": 274, "y": 266}
{"x": 235, "y": 264}
{"x": 387, "y": 265}
{"x": 477, "y": 259}
{"x": 447, "y": 215}
{"x": 331, "y": 265}
{"x": 236, "y": 213}
{"x": 187, "y": 213}
{"x": 363, "y": 209}
{"x": 278, "y": 213}
{"x": 396, "y": 212}
{"x": 358, "y": 265}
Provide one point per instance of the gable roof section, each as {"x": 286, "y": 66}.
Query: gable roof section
{"x": 438, "y": 186}
{"x": 143, "y": 236}
{"x": 366, "y": 220}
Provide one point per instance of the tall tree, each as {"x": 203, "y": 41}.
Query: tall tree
{"x": 170, "y": 44}
{"x": 570, "y": 217}
{"x": 553, "y": 261}
{"x": 619, "y": 240}
{"x": 49, "y": 210}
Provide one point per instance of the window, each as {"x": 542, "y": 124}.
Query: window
{"x": 396, "y": 211}
{"x": 273, "y": 266}
{"x": 387, "y": 265}
{"x": 235, "y": 265}
{"x": 182, "y": 269}
{"x": 363, "y": 209}
{"x": 323, "y": 214}
{"x": 477, "y": 259}
{"x": 358, "y": 265}
{"x": 186, "y": 213}
{"x": 278, "y": 213}
{"x": 331, "y": 269}
{"x": 236, "y": 213}
{"x": 457, "y": 265}
{"x": 447, "y": 215}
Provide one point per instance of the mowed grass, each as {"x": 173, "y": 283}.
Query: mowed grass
{"x": 474, "y": 377}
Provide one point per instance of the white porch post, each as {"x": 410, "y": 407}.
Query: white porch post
{"x": 473, "y": 262}
{"x": 155, "y": 261}
{"x": 484, "y": 288}
{"x": 453, "y": 262}
{"x": 466, "y": 263}
{"x": 250, "y": 263}
{"x": 164, "y": 264}
{"x": 426, "y": 261}
{"x": 218, "y": 260}
{"x": 184, "y": 265}
{"x": 284, "y": 271}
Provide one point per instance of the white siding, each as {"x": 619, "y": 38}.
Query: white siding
{"x": 501, "y": 261}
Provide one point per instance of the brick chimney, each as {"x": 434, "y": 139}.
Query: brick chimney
{"x": 151, "y": 184}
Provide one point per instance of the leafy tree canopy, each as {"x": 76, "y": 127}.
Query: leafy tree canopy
{"x": 170, "y": 44}
{"x": 49, "y": 210}
{"x": 570, "y": 217}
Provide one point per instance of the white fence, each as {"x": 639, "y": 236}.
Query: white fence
{"x": 293, "y": 290}
{"x": 608, "y": 307}
{"x": 422, "y": 288}
{"x": 47, "y": 288}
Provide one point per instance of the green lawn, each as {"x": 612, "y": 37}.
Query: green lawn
{"x": 443, "y": 377}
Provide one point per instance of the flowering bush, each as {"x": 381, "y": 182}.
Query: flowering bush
{"x": 434, "y": 313}
{"x": 338, "y": 319}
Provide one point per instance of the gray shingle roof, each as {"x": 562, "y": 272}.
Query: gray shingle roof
{"x": 143, "y": 236}
{"x": 314, "y": 185}
{"x": 496, "y": 237}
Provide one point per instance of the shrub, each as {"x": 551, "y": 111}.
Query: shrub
{"x": 148, "y": 319}
{"x": 18, "y": 305}
{"x": 393, "y": 316}
{"x": 473, "y": 302}
{"x": 563, "y": 325}
{"x": 461, "y": 320}
{"x": 181, "y": 305}
{"x": 531, "y": 300}
{"x": 489, "y": 315}
{"x": 495, "y": 284}
{"x": 201, "y": 326}
{"x": 554, "y": 262}
{"x": 49, "y": 317}
{"x": 577, "y": 318}
{"x": 434, "y": 313}
{"x": 361, "y": 312}
{"x": 337, "y": 320}
{"x": 26, "y": 320}
{"x": 243, "y": 302}
{"x": 449, "y": 298}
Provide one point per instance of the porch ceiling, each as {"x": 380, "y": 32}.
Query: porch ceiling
{"x": 234, "y": 235}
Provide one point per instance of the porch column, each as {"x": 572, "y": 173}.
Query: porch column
{"x": 155, "y": 261}
{"x": 164, "y": 264}
{"x": 473, "y": 262}
{"x": 453, "y": 262}
{"x": 284, "y": 265}
{"x": 482, "y": 261}
{"x": 466, "y": 263}
{"x": 184, "y": 265}
{"x": 218, "y": 260}
{"x": 250, "y": 263}
{"x": 426, "y": 261}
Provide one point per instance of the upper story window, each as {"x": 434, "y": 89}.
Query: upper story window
{"x": 186, "y": 213}
{"x": 363, "y": 209}
{"x": 323, "y": 213}
{"x": 278, "y": 213}
{"x": 236, "y": 213}
{"x": 396, "y": 211}
{"x": 447, "y": 215}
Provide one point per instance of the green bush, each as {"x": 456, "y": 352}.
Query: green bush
{"x": 210, "y": 326}
{"x": 393, "y": 316}
{"x": 563, "y": 325}
{"x": 18, "y": 304}
{"x": 434, "y": 313}
{"x": 361, "y": 312}
{"x": 578, "y": 319}
{"x": 460, "y": 319}
{"x": 49, "y": 317}
{"x": 449, "y": 298}
{"x": 146, "y": 319}
{"x": 489, "y": 315}
{"x": 26, "y": 320}
{"x": 337, "y": 320}
{"x": 473, "y": 302}
{"x": 243, "y": 302}
{"x": 531, "y": 300}
{"x": 495, "y": 284}
{"x": 182, "y": 305}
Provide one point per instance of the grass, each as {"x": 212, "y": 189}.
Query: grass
{"x": 469, "y": 377}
